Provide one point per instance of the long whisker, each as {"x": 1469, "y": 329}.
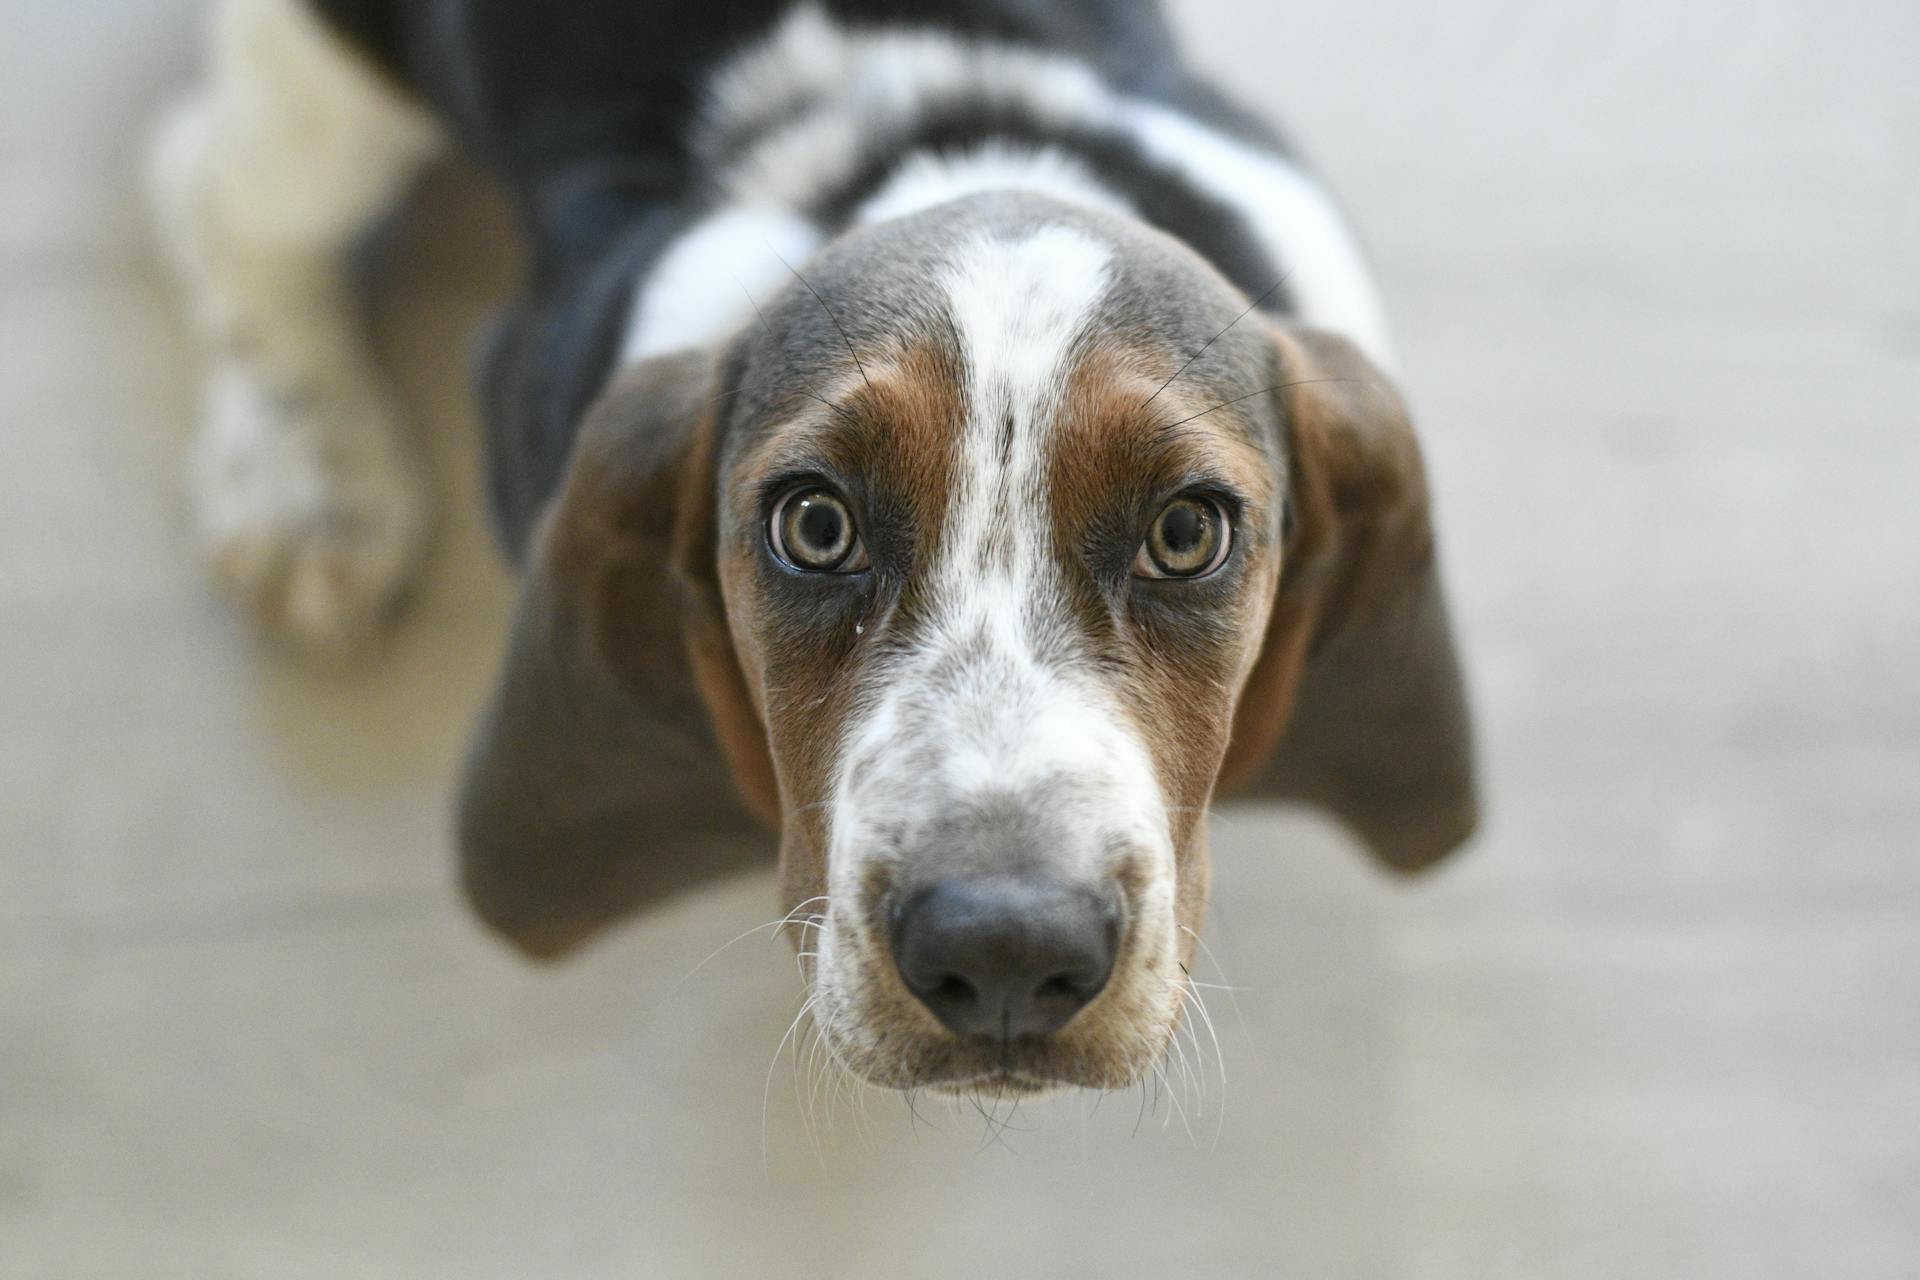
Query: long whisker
{"x": 856, "y": 1095}
{"x": 1220, "y": 1115}
{"x": 1271, "y": 289}
{"x": 1190, "y": 996}
{"x": 811, "y": 390}
{"x": 914, "y": 1118}
{"x": 1252, "y": 395}
{"x": 829, "y": 310}
{"x": 996, "y": 1128}
{"x": 1206, "y": 1016}
{"x": 775, "y": 925}
{"x": 800, "y": 959}
{"x": 766, "y": 1092}
{"x": 1177, "y": 1052}
{"x": 1233, "y": 997}
{"x": 1173, "y": 1107}
{"x": 816, "y": 1081}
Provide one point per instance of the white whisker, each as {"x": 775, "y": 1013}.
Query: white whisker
{"x": 1175, "y": 1109}
{"x": 813, "y": 920}
{"x": 766, "y": 1092}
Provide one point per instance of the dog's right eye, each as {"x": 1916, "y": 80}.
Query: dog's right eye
{"x": 813, "y": 531}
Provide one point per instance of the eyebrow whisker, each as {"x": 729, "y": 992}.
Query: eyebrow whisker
{"x": 1251, "y": 395}
{"x": 842, "y": 329}
{"x": 1254, "y": 306}
{"x": 811, "y": 390}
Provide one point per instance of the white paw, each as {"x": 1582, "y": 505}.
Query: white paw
{"x": 311, "y": 505}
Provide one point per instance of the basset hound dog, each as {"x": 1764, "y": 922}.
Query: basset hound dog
{"x": 945, "y": 433}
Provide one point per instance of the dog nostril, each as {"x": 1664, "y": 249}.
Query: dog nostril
{"x": 954, "y": 989}
{"x": 1059, "y": 985}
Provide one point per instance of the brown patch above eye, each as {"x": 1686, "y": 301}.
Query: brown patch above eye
{"x": 892, "y": 443}
{"x": 1113, "y": 454}
{"x": 915, "y": 406}
{"x": 891, "y": 435}
{"x": 1113, "y": 465}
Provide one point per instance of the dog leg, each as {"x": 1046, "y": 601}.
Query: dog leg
{"x": 308, "y": 491}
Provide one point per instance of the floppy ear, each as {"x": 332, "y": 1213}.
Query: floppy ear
{"x": 1356, "y": 703}
{"x": 598, "y": 782}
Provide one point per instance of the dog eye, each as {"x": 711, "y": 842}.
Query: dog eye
{"x": 812, "y": 530}
{"x": 1189, "y": 539}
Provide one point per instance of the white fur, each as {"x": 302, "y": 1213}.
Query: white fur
{"x": 806, "y": 98}
{"x": 307, "y": 491}
{"x": 872, "y": 78}
{"x": 927, "y": 180}
{"x": 1327, "y": 274}
{"x": 785, "y": 121}
{"x": 986, "y": 693}
{"x": 699, "y": 291}
{"x": 990, "y": 704}
{"x": 801, "y": 104}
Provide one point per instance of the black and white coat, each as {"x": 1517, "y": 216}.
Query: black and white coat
{"x": 665, "y": 157}
{"x": 1037, "y": 196}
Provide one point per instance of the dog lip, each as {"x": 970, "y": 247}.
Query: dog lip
{"x": 1018, "y": 1084}
{"x": 1009, "y": 1070}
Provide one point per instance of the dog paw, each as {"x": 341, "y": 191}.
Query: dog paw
{"x": 311, "y": 507}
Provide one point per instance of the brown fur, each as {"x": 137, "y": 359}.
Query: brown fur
{"x": 1357, "y": 703}
{"x": 895, "y": 431}
{"x": 1333, "y": 625}
{"x": 594, "y": 784}
{"x": 1179, "y": 682}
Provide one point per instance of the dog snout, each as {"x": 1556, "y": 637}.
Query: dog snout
{"x": 1003, "y": 957}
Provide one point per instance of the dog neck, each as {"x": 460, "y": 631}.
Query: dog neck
{"x": 819, "y": 128}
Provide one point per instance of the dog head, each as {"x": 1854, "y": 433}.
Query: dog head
{"x": 993, "y": 548}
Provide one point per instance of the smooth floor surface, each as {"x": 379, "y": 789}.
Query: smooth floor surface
{"x": 1656, "y": 274}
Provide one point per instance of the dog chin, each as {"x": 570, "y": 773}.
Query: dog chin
{"x": 961, "y": 1070}
{"x": 1003, "y": 1084}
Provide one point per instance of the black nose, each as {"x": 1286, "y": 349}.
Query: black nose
{"x": 1005, "y": 956}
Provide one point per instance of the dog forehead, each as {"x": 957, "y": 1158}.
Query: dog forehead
{"x": 1000, "y": 294}
{"x": 1016, "y": 250}
{"x": 979, "y": 379}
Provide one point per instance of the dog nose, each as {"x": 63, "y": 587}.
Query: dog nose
{"x": 1005, "y": 956}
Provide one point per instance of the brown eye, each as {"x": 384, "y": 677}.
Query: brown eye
{"x": 1189, "y": 539}
{"x": 812, "y": 530}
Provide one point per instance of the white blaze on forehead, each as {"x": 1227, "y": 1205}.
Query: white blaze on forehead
{"x": 989, "y": 699}
{"x": 1020, "y": 308}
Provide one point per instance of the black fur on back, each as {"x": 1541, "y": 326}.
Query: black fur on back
{"x": 582, "y": 109}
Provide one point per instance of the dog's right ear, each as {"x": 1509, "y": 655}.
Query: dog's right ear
{"x": 1357, "y": 704}
{"x": 598, "y": 782}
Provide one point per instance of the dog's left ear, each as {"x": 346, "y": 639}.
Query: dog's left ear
{"x": 1356, "y": 704}
{"x": 621, "y": 760}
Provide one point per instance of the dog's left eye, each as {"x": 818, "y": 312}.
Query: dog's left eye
{"x": 812, "y": 530}
{"x": 1189, "y": 539}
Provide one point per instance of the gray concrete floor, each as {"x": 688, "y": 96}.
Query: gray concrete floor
{"x": 1656, "y": 269}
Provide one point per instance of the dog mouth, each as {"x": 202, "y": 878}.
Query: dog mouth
{"x": 1019, "y": 1071}
{"x": 973, "y": 1067}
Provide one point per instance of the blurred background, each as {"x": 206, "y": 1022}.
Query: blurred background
{"x": 1655, "y": 269}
